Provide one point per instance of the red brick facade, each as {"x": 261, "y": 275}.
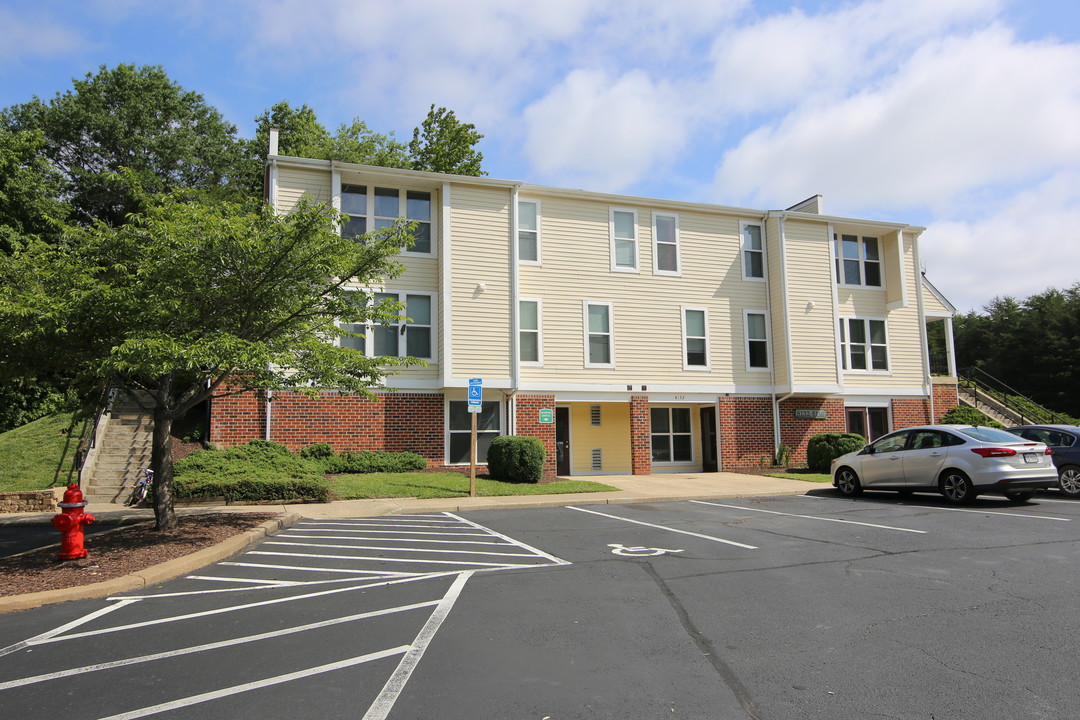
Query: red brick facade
{"x": 945, "y": 399}
{"x": 640, "y": 435}
{"x": 527, "y": 422}
{"x": 795, "y": 432}
{"x": 910, "y": 411}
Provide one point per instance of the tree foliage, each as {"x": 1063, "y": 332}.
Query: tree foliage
{"x": 1030, "y": 345}
{"x": 131, "y": 117}
{"x": 444, "y": 144}
{"x": 30, "y": 196}
{"x": 192, "y": 294}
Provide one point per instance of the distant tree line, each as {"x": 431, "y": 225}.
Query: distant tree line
{"x": 1031, "y": 345}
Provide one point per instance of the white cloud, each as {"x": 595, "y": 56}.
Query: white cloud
{"x": 961, "y": 114}
{"x": 35, "y": 36}
{"x": 1025, "y": 247}
{"x": 602, "y": 133}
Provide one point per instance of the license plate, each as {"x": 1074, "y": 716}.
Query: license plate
{"x": 1031, "y": 457}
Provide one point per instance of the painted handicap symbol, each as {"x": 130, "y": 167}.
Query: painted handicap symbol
{"x": 635, "y": 551}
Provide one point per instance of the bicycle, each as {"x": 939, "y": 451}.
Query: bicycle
{"x": 141, "y": 489}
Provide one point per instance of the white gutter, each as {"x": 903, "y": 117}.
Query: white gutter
{"x": 924, "y": 344}
{"x": 777, "y": 439}
{"x": 447, "y": 357}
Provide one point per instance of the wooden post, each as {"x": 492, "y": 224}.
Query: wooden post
{"x": 472, "y": 458}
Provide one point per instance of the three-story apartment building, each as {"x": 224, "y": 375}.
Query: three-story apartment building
{"x": 631, "y": 335}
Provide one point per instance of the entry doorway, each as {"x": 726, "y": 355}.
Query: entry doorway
{"x": 870, "y": 422}
{"x": 708, "y": 440}
{"x": 562, "y": 441}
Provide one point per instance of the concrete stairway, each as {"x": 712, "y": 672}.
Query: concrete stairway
{"x": 122, "y": 452}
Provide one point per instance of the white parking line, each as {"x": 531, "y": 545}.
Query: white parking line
{"x": 380, "y": 539}
{"x": 303, "y": 568}
{"x": 810, "y": 517}
{"x": 979, "y": 512}
{"x": 392, "y": 560}
{"x": 664, "y": 527}
{"x": 512, "y": 541}
{"x": 400, "y": 549}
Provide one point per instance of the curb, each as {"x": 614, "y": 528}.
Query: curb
{"x": 151, "y": 575}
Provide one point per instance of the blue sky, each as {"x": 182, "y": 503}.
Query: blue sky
{"x": 962, "y": 116}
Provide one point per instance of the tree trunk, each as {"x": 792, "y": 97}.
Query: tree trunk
{"x": 162, "y": 464}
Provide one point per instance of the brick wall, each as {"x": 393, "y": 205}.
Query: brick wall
{"x": 640, "y": 435}
{"x": 745, "y": 427}
{"x": 527, "y": 422}
{"x": 27, "y": 501}
{"x": 389, "y": 421}
{"x": 796, "y": 432}
{"x": 945, "y": 399}
{"x": 910, "y": 411}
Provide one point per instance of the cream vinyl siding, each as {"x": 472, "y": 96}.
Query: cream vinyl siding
{"x": 611, "y": 437}
{"x": 294, "y": 183}
{"x": 809, "y": 279}
{"x": 775, "y": 272}
{"x": 931, "y": 305}
{"x": 480, "y": 319}
{"x": 646, "y": 308}
{"x": 902, "y": 326}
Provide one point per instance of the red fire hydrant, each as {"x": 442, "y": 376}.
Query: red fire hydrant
{"x": 70, "y": 524}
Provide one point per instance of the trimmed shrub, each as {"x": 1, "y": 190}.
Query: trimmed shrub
{"x": 317, "y": 451}
{"x": 967, "y": 415}
{"x": 516, "y": 458}
{"x": 253, "y": 489}
{"x": 257, "y": 459}
{"x": 824, "y": 447}
{"x": 370, "y": 462}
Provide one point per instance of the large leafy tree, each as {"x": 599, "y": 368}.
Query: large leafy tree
{"x": 444, "y": 144}
{"x": 30, "y": 203}
{"x": 131, "y": 117}
{"x": 193, "y": 297}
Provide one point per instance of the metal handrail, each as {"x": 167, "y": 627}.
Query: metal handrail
{"x": 1003, "y": 394}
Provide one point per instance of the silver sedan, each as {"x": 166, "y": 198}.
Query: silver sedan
{"x": 958, "y": 461}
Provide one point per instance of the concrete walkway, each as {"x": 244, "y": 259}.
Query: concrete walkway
{"x": 632, "y": 489}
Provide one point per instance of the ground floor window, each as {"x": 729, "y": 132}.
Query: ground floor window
{"x": 870, "y": 422}
{"x": 672, "y": 435}
{"x": 459, "y": 430}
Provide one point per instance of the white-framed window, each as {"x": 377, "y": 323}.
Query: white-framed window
{"x": 599, "y": 338}
{"x": 530, "y": 339}
{"x": 528, "y": 231}
{"x": 370, "y": 208}
{"x": 665, "y": 244}
{"x": 624, "y": 245}
{"x": 413, "y": 337}
{"x": 695, "y": 323}
{"x": 489, "y": 426}
{"x": 858, "y": 260}
{"x": 672, "y": 435}
{"x": 757, "y": 340}
{"x": 753, "y": 251}
{"x": 864, "y": 345}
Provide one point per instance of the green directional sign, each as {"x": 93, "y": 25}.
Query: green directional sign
{"x": 547, "y": 415}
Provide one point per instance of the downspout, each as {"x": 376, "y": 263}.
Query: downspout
{"x": 777, "y": 439}
{"x": 515, "y": 316}
{"x": 923, "y": 342}
{"x": 270, "y": 193}
{"x": 269, "y": 397}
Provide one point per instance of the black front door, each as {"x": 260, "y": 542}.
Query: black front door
{"x": 562, "y": 441}
{"x": 708, "y": 439}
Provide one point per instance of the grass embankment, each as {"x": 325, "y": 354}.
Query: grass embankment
{"x": 37, "y": 455}
{"x": 802, "y": 474}
{"x": 446, "y": 485}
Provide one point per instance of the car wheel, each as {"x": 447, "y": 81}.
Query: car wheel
{"x": 1069, "y": 481}
{"x": 1020, "y": 496}
{"x": 847, "y": 482}
{"x": 957, "y": 488}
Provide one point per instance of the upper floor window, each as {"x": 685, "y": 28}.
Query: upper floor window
{"x": 863, "y": 344}
{"x": 598, "y": 336}
{"x": 529, "y": 347}
{"x": 624, "y": 255}
{"x": 757, "y": 341}
{"x": 371, "y": 208}
{"x": 411, "y": 337}
{"x": 753, "y": 251}
{"x": 695, "y": 339}
{"x": 529, "y": 231}
{"x": 858, "y": 261}
{"x": 666, "y": 244}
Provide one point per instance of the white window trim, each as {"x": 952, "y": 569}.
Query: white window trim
{"x": 708, "y": 354}
{"x": 743, "y": 249}
{"x": 677, "y": 272}
{"x": 539, "y": 362}
{"x": 746, "y": 341}
{"x": 447, "y": 431}
{"x": 611, "y": 332}
{"x": 403, "y": 200}
{"x": 402, "y": 295}
{"x": 846, "y": 344}
{"x": 539, "y": 239}
{"x": 838, "y": 261}
{"x": 637, "y": 240}
{"x": 671, "y": 433}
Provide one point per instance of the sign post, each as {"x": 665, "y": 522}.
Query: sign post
{"x": 476, "y": 405}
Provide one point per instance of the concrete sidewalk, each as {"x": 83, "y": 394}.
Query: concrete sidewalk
{"x": 632, "y": 489}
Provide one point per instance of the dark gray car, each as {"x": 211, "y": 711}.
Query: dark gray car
{"x": 1064, "y": 443}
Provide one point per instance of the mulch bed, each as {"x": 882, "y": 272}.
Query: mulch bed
{"x": 120, "y": 552}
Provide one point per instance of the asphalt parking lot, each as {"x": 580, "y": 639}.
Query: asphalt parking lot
{"x": 806, "y": 606}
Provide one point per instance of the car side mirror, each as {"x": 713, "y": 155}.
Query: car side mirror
{"x": 868, "y": 450}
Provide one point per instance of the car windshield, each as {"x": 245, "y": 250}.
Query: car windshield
{"x": 992, "y": 435}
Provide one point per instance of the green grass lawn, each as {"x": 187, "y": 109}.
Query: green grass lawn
{"x": 802, "y": 474}
{"x": 30, "y": 455}
{"x": 446, "y": 485}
